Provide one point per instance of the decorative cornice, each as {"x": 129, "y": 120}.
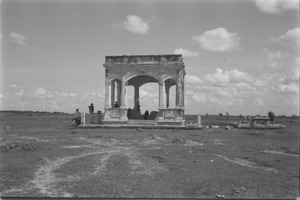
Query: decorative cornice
{"x": 144, "y": 59}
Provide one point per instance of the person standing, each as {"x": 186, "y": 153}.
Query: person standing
{"x": 91, "y": 109}
{"x": 116, "y": 105}
{"x": 77, "y": 117}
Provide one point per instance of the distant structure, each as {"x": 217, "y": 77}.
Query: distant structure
{"x": 261, "y": 121}
{"x": 137, "y": 70}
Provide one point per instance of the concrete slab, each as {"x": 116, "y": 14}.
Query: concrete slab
{"x": 123, "y": 126}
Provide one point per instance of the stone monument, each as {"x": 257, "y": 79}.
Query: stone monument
{"x": 137, "y": 70}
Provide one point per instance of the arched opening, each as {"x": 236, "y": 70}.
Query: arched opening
{"x": 144, "y": 94}
{"x": 172, "y": 97}
{"x": 170, "y": 93}
{"x": 149, "y": 97}
{"x": 130, "y": 97}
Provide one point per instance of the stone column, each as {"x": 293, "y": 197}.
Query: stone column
{"x": 177, "y": 95}
{"x": 83, "y": 118}
{"x": 136, "y": 97}
{"x": 107, "y": 93}
{"x": 119, "y": 91}
{"x": 123, "y": 94}
{"x": 123, "y": 106}
{"x": 167, "y": 96}
{"x": 113, "y": 86}
{"x": 199, "y": 124}
{"x": 180, "y": 90}
{"x": 161, "y": 94}
{"x": 182, "y": 94}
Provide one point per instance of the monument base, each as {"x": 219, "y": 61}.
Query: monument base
{"x": 115, "y": 116}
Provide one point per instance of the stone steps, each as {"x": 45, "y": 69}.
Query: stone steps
{"x": 142, "y": 122}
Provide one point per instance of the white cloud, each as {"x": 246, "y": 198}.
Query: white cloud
{"x": 236, "y": 76}
{"x": 147, "y": 93}
{"x": 135, "y": 24}
{"x": 218, "y": 78}
{"x": 294, "y": 100}
{"x": 13, "y": 85}
{"x": 289, "y": 38}
{"x": 100, "y": 95}
{"x": 221, "y": 98}
{"x": 233, "y": 76}
{"x": 273, "y": 58}
{"x": 297, "y": 61}
{"x": 290, "y": 88}
{"x": 259, "y": 102}
{"x": 192, "y": 79}
{"x": 277, "y": 6}
{"x": 218, "y": 40}
{"x": 242, "y": 87}
{"x": 261, "y": 83}
{"x": 18, "y": 38}
{"x": 277, "y": 62}
{"x": 19, "y": 94}
{"x": 197, "y": 96}
{"x": 41, "y": 92}
{"x": 186, "y": 52}
{"x": 72, "y": 94}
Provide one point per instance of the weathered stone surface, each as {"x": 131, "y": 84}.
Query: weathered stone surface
{"x": 122, "y": 71}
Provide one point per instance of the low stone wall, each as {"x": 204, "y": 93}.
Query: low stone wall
{"x": 88, "y": 118}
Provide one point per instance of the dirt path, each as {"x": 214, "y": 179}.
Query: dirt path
{"x": 249, "y": 164}
{"x": 280, "y": 153}
{"x": 46, "y": 180}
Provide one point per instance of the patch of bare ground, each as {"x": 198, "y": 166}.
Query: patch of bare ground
{"x": 153, "y": 139}
{"x": 51, "y": 175}
{"x": 249, "y": 164}
{"x": 207, "y": 163}
{"x": 45, "y": 179}
{"x": 281, "y": 153}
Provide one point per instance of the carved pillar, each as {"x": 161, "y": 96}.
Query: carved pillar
{"x": 167, "y": 96}
{"x": 123, "y": 94}
{"x": 161, "y": 94}
{"x": 136, "y": 97}
{"x": 119, "y": 91}
{"x": 123, "y": 100}
{"x": 107, "y": 93}
{"x": 180, "y": 89}
{"x": 177, "y": 94}
{"x": 182, "y": 93}
{"x": 113, "y": 86}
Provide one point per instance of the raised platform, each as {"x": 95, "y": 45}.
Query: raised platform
{"x": 126, "y": 126}
{"x": 142, "y": 122}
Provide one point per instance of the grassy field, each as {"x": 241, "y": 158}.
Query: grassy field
{"x": 42, "y": 155}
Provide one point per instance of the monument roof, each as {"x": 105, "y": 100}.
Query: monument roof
{"x": 144, "y": 59}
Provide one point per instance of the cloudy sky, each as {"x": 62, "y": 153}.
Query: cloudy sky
{"x": 241, "y": 56}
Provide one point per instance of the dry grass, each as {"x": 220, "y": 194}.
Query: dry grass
{"x": 41, "y": 155}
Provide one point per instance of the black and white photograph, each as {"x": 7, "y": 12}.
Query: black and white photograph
{"x": 149, "y": 99}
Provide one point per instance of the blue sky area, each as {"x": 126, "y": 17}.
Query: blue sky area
{"x": 241, "y": 57}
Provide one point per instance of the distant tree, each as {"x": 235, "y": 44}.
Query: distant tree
{"x": 220, "y": 114}
{"x": 271, "y": 116}
{"x": 293, "y": 117}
